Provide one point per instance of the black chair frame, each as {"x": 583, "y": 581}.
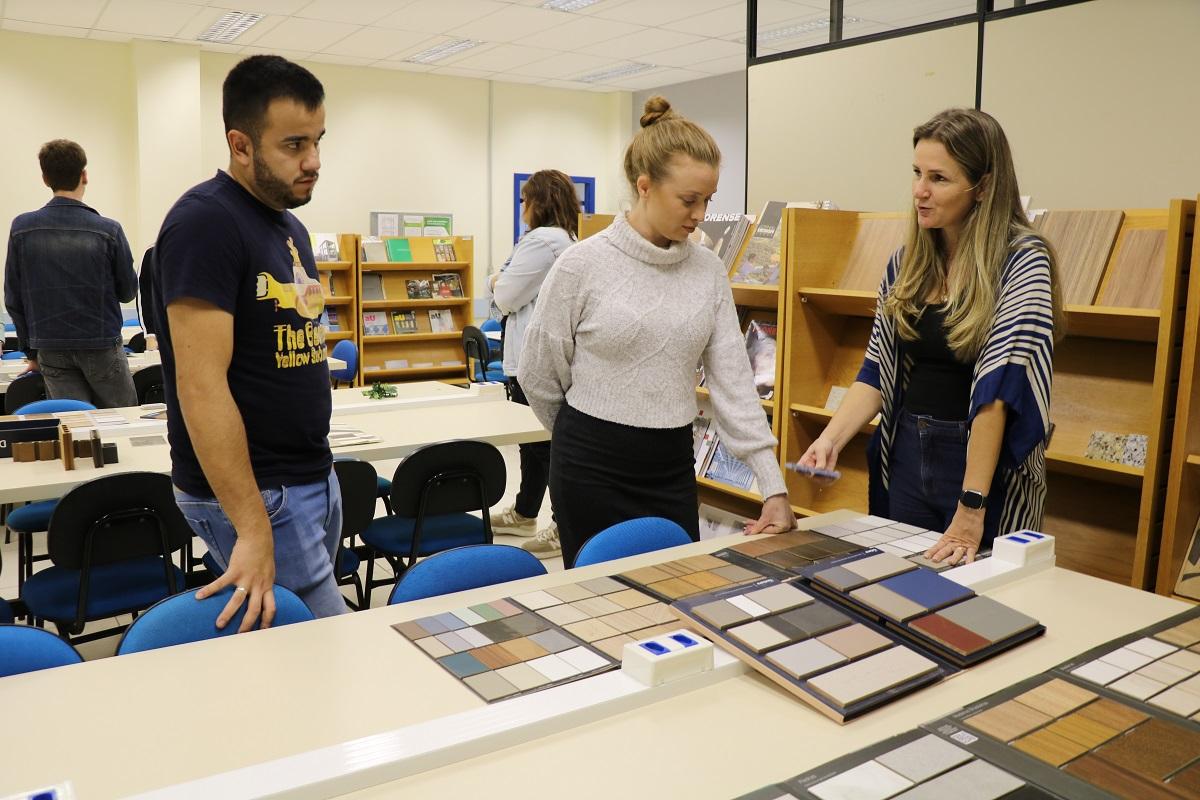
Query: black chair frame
{"x": 24, "y": 390}
{"x": 359, "y": 494}
{"x": 475, "y": 346}
{"x": 148, "y": 382}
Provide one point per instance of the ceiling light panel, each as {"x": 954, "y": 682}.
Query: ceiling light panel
{"x": 568, "y": 5}
{"x": 230, "y": 26}
{"x": 442, "y": 51}
{"x": 615, "y": 73}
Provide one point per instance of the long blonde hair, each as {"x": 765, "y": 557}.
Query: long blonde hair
{"x": 991, "y": 229}
{"x": 663, "y": 134}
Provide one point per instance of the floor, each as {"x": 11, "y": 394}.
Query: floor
{"x": 107, "y": 646}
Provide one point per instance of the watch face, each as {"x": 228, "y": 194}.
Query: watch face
{"x": 972, "y": 499}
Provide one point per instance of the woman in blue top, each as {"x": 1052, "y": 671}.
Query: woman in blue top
{"x": 961, "y": 353}
{"x": 550, "y": 208}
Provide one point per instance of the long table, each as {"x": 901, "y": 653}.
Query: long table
{"x": 248, "y": 700}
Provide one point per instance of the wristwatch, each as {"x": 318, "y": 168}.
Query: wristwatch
{"x": 973, "y": 499}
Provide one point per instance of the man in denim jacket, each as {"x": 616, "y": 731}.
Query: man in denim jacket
{"x": 68, "y": 271}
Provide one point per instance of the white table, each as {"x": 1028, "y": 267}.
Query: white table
{"x": 283, "y": 692}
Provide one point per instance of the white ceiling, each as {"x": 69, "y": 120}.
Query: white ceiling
{"x": 683, "y": 39}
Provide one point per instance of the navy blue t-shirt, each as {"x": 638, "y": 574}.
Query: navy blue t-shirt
{"x": 221, "y": 245}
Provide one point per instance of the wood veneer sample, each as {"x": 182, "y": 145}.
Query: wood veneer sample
{"x": 495, "y": 656}
{"x": 876, "y": 240}
{"x": 1136, "y": 277}
{"x": 1103, "y": 775}
{"x": 1112, "y": 714}
{"x": 1050, "y": 747}
{"x": 1056, "y": 697}
{"x": 631, "y": 598}
{"x": 1154, "y": 749}
{"x": 1083, "y": 241}
{"x": 1084, "y": 730}
{"x": 1187, "y": 782}
{"x": 1008, "y": 720}
{"x": 704, "y": 561}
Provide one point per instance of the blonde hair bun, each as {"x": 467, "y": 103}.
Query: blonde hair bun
{"x": 657, "y": 108}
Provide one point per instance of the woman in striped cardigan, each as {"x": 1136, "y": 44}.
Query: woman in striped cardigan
{"x": 960, "y": 357}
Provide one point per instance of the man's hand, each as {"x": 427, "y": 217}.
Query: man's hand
{"x": 32, "y": 366}
{"x": 252, "y": 574}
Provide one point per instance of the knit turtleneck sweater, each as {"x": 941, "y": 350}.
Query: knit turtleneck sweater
{"x": 619, "y": 327}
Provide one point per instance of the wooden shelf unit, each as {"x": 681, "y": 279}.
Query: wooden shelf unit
{"x": 424, "y": 345}
{"x": 344, "y": 299}
{"x": 1114, "y": 372}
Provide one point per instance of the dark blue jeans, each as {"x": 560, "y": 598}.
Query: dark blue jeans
{"x": 926, "y": 466}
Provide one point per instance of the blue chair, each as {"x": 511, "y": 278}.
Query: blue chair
{"x": 465, "y": 568}
{"x": 35, "y": 517}
{"x": 111, "y": 541}
{"x": 182, "y": 618}
{"x": 631, "y": 538}
{"x": 131, "y": 323}
{"x": 495, "y": 347}
{"x": 432, "y": 491}
{"x": 347, "y": 351}
{"x": 24, "y": 648}
{"x": 10, "y": 328}
{"x": 13, "y": 355}
{"x": 24, "y": 389}
{"x": 6, "y": 612}
{"x": 475, "y": 347}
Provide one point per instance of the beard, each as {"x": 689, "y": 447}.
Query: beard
{"x": 274, "y": 189}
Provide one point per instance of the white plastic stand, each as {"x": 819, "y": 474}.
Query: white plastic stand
{"x": 1014, "y": 556}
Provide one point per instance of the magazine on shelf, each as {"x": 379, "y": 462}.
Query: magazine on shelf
{"x": 404, "y": 321}
{"x": 443, "y": 250}
{"x": 372, "y": 286}
{"x": 447, "y": 284}
{"x": 760, "y": 346}
{"x": 723, "y": 234}
{"x": 325, "y": 246}
{"x": 374, "y": 249}
{"x": 418, "y": 289}
{"x": 328, "y": 282}
{"x": 375, "y": 323}
{"x": 760, "y": 264}
{"x": 723, "y": 467}
{"x": 441, "y": 320}
{"x": 716, "y": 522}
{"x": 332, "y": 319}
{"x": 398, "y": 250}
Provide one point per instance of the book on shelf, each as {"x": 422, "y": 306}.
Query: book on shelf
{"x": 704, "y": 435}
{"x": 447, "y": 284}
{"x": 396, "y": 363}
{"x": 418, "y": 289}
{"x": 761, "y": 261}
{"x": 328, "y": 283}
{"x": 723, "y": 234}
{"x": 724, "y": 468}
{"x": 372, "y": 286}
{"x": 441, "y": 320}
{"x": 332, "y": 320}
{"x": 443, "y": 250}
{"x": 453, "y": 362}
{"x": 716, "y": 522}
{"x": 404, "y": 321}
{"x": 398, "y": 250}
{"x": 760, "y": 346}
{"x": 374, "y": 249}
{"x": 375, "y": 323}
{"x": 325, "y": 246}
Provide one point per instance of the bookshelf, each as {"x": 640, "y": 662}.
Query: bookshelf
{"x": 339, "y": 284}
{"x": 424, "y": 354}
{"x": 1114, "y": 372}
{"x": 591, "y": 224}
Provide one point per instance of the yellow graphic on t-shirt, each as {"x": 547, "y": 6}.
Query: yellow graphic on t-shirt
{"x": 296, "y": 347}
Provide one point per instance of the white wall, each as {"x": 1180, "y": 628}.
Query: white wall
{"x": 719, "y": 105}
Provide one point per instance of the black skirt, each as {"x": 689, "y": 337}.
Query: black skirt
{"x": 602, "y": 473}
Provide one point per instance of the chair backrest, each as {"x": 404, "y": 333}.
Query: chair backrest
{"x": 450, "y": 477}
{"x": 360, "y": 490}
{"x": 12, "y": 355}
{"x": 9, "y": 327}
{"x": 137, "y": 342}
{"x": 475, "y": 346}
{"x": 131, "y": 323}
{"x": 54, "y": 406}
{"x": 24, "y": 390}
{"x": 630, "y": 538}
{"x": 347, "y": 351}
{"x": 123, "y": 516}
{"x": 465, "y": 568}
{"x": 489, "y": 324}
{"x": 24, "y": 648}
{"x": 148, "y": 383}
{"x": 181, "y": 618}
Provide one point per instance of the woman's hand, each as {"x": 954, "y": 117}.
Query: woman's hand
{"x": 960, "y": 542}
{"x": 776, "y": 517}
{"x": 821, "y": 454}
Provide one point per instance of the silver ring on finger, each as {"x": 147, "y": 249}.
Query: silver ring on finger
{"x": 240, "y": 589}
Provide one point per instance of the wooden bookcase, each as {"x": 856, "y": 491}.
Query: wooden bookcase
{"x": 344, "y": 297}
{"x": 1182, "y": 506}
{"x": 425, "y": 346}
{"x": 591, "y": 224}
{"x": 1113, "y": 372}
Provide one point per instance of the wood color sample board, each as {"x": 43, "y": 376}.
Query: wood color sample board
{"x": 1135, "y": 278}
{"x": 1083, "y": 241}
{"x": 877, "y": 238}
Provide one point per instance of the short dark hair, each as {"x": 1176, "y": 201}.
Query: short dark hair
{"x": 251, "y": 86}
{"x": 62, "y": 164}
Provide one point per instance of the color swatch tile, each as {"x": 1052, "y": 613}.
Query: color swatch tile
{"x": 794, "y": 551}
{"x": 858, "y": 572}
{"x": 1185, "y": 634}
{"x": 872, "y": 675}
{"x": 500, "y": 650}
{"x": 896, "y": 538}
{"x": 688, "y": 576}
{"x": 1152, "y": 669}
{"x": 868, "y": 781}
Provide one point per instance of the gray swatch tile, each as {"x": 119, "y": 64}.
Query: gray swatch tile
{"x": 924, "y": 758}
{"x": 977, "y": 780}
{"x": 991, "y": 620}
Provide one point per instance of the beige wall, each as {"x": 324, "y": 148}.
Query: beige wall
{"x": 838, "y": 125}
{"x": 1099, "y": 101}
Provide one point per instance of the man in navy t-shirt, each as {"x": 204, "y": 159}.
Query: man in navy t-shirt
{"x": 244, "y": 358}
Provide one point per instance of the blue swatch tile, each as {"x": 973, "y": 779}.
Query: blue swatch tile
{"x": 927, "y": 588}
{"x": 432, "y": 625}
{"x": 463, "y": 664}
{"x": 451, "y": 622}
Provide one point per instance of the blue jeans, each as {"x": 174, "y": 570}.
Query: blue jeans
{"x": 306, "y": 522}
{"x": 926, "y": 466}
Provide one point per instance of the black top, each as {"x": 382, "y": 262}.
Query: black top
{"x": 221, "y": 245}
{"x": 939, "y": 385}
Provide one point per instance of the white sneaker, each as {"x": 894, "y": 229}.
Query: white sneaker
{"x": 510, "y": 522}
{"x": 545, "y": 544}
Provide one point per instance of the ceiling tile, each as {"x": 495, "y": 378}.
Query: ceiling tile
{"x": 217, "y": 47}
{"x": 291, "y": 55}
{"x": 636, "y": 45}
{"x": 721, "y": 66}
{"x": 305, "y": 34}
{"x": 508, "y": 77}
{"x": 70, "y": 13}
{"x": 146, "y": 17}
{"x": 403, "y": 66}
{"x": 42, "y": 28}
{"x": 459, "y": 72}
{"x": 350, "y": 61}
{"x": 580, "y": 32}
{"x": 260, "y": 29}
{"x": 108, "y": 36}
{"x": 652, "y": 80}
{"x": 285, "y": 7}
{"x": 422, "y": 46}
{"x": 357, "y": 12}
{"x": 589, "y": 11}
{"x": 199, "y": 23}
{"x": 722, "y": 23}
{"x": 565, "y": 66}
{"x": 511, "y": 23}
{"x": 501, "y": 57}
{"x": 659, "y": 12}
{"x": 439, "y": 16}
{"x": 705, "y": 50}
{"x": 376, "y": 43}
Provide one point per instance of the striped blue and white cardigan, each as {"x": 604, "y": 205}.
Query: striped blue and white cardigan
{"x": 1015, "y": 366}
